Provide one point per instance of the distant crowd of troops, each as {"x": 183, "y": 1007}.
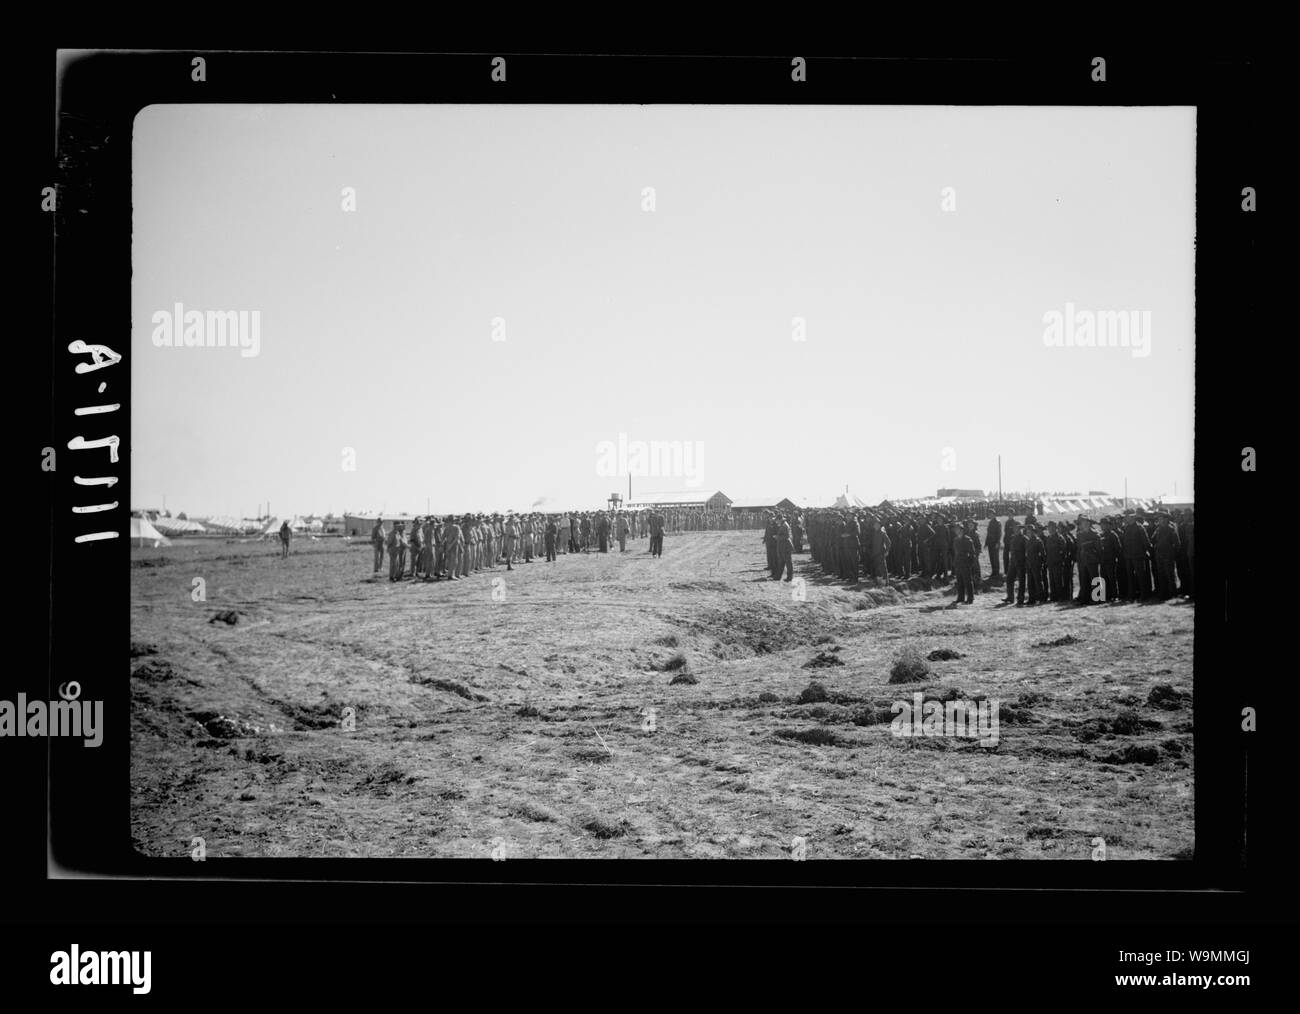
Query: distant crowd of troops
{"x": 451, "y": 547}
{"x": 1130, "y": 556}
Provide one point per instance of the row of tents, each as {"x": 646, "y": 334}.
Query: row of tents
{"x": 160, "y": 530}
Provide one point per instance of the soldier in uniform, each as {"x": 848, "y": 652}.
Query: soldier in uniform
{"x": 1136, "y": 544}
{"x": 965, "y": 553}
{"x": 656, "y": 534}
{"x": 1166, "y": 552}
{"x": 973, "y": 533}
{"x": 416, "y": 545}
{"x": 1089, "y": 550}
{"x": 394, "y": 543}
{"x": 1035, "y": 559}
{"x": 850, "y": 549}
{"x": 1112, "y": 555}
{"x": 453, "y": 546}
{"x": 993, "y": 543}
{"x": 1014, "y": 572}
{"x": 528, "y": 536}
{"x": 879, "y": 551}
{"x": 1054, "y": 548}
{"x": 621, "y": 531}
{"x": 784, "y": 546}
{"x": 428, "y": 553}
{"x": 552, "y": 534}
{"x": 401, "y": 550}
{"x": 377, "y": 540}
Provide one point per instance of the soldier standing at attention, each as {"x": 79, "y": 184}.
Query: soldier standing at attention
{"x": 529, "y": 528}
{"x": 965, "y": 554}
{"x": 1136, "y": 544}
{"x": 769, "y": 542}
{"x": 1112, "y": 553}
{"x": 427, "y": 553}
{"x": 796, "y": 533}
{"x": 512, "y": 541}
{"x": 622, "y": 532}
{"x": 993, "y": 542}
{"x": 1034, "y": 559}
{"x": 286, "y": 533}
{"x": 401, "y": 550}
{"x": 377, "y": 540}
{"x": 1088, "y": 551}
{"x": 469, "y": 537}
{"x": 1054, "y": 547}
{"x": 879, "y": 551}
{"x": 976, "y": 575}
{"x": 784, "y": 544}
{"x": 1015, "y": 563}
{"x": 552, "y": 533}
{"x": 656, "y": 534}
{"x": 394, "y": 541}
{"x": 452, "y": 548}
{"x": 416, "y": 546}
{"x": 850, "y": 549}
{"x": 1166, "y": 545}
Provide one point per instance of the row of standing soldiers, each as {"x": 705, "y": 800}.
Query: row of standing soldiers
{"x": 436, "y": 548}
{"x": 1135, "y": 555}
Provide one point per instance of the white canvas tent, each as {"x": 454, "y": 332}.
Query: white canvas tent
{"x": 175, "y": 526}
{"x": 142, "y": 529}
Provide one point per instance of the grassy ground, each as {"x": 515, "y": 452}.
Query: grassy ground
{"x": 516, "y": 715}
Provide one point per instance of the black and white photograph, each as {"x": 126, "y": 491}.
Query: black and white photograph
{"x": 662, "y": 481}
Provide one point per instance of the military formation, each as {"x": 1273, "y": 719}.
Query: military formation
{"x": 1130, "y": 556}
{"x": 453, "y": 547}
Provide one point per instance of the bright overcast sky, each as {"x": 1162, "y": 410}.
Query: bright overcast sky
{"x": 924, "y": 326}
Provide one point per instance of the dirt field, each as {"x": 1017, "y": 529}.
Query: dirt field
{"x": 523, "y": 725}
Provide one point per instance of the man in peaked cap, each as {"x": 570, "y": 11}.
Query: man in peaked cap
{"x": 1089, "y": 552}
{"x": 1054, "y": 548}
{"x": 964, "y": 554}
{"x": 993, "y": 543}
